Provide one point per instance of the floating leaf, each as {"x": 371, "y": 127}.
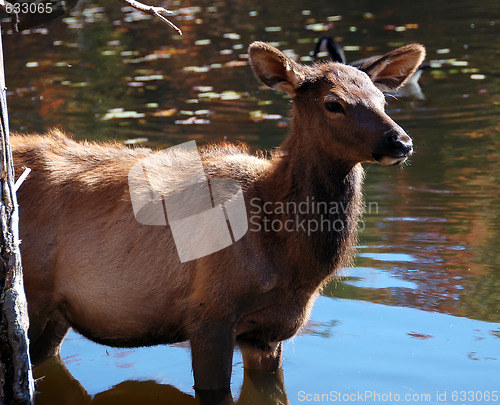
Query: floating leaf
{"x": 236, "y": 63}
{"x": 317, "y": 27}
{"x": 459, "y": 63}
{"x": 165, "y": 113}
{"x": 256, "y": 115}
{"x": 70, "y": 20}
{"x": 119, "y": 113}
{"x": 191, "y": 121}
{"x": 155, "y": 56}
{"x": 232, "y": 35}
{"x": 80, "y": 84}
{"x": 196, "y": 69}
{"x": 203, "y": 88}
{"x": 272, "y": 117}
{"x": 202, "y": 112}
{"x": 202, "y": 42}
{"x": 273, "y": 29}
{"x": 187, "y": 10}
{"x": 470, "y": 70}
{"x": 148, "y": 78}
{"x": 209, "y": 94}
{"x": 230, "y": 95}
{"x": 135, "y": 141}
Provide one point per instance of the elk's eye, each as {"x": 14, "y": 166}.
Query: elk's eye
{"x": 334, "y": 107}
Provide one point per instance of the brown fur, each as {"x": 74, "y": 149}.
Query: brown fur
{"x": 90, "y": 265}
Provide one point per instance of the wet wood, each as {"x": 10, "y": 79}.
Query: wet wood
{"x": 16, "y": 381}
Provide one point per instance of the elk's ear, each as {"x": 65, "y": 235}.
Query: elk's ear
{"x": 274, "y": 68}
{"x": 393, "y": 69}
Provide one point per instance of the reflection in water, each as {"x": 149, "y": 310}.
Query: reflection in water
{"x": 56, "y": 385}
{"x": 430, "y": 249}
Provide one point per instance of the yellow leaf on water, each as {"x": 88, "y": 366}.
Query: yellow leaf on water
{"x": 165, "y": 113}
{"x": 236, "y": 63}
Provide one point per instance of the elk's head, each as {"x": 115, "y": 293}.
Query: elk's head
{"x": 339, "y": 108}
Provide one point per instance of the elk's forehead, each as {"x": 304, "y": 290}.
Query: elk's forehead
{"x": 352, "y": 85}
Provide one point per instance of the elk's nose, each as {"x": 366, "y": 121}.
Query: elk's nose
{"x": 404, "y": 148}
{"x": 400, "y": 142}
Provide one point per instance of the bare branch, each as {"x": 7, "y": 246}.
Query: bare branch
{"x": 158, "y": 12}
{"x": 21, "y": 178}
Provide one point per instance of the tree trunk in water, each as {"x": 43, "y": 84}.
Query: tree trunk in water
{"x": 16, "y": 381}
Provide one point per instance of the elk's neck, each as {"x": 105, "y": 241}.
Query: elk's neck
{"x": 321, "y": 199}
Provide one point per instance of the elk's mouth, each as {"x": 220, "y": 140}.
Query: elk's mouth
{"x": 389, "y": 160}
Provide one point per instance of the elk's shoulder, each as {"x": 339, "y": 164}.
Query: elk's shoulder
{"x": 234, "y": 161}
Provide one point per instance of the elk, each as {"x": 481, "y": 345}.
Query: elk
{"x": 90, "y": 265}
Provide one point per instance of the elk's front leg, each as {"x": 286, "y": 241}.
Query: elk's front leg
{"x": 212, "y": 346}
{"x": 263, "y": 356}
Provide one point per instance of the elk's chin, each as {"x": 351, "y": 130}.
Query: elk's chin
{"x": 387, "y": 160}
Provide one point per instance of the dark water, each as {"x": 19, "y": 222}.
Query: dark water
{"x": 419, "y": 314}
